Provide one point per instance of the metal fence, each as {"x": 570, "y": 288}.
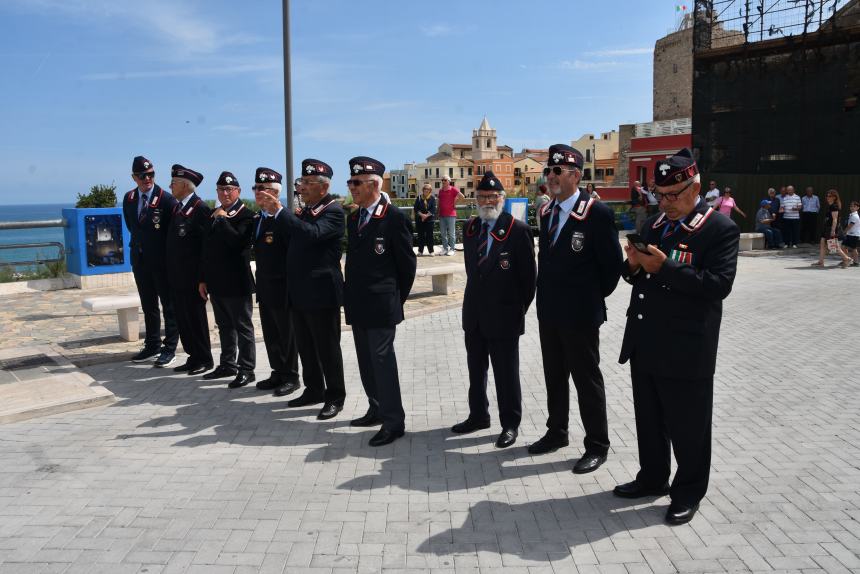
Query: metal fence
{"x": 721, "y": 23}
{"x": 38, "y": 260}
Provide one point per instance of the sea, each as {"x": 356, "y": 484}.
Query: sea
{"x": 16, "y": 236}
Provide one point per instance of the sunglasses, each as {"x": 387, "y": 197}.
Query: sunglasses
{"x": 355, "y": 182}
{"x": 555, "y": 169}
{"x": 263, "y": 188}
{"x": 670, "y": 197}
{"x": 145, "y": 175}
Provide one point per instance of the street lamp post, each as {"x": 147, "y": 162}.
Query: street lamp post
{"x": 288, "y": 113}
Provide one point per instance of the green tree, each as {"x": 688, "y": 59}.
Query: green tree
{"x": 99, "y": 196}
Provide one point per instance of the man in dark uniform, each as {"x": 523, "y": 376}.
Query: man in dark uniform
{"x": 673, "y": 327}
{"x": 578, "y": 267}
{"x": 188, "y": 226}
{"x": 315, "y": 285}
{"x": 227, "y": 277}
{"x": 271, "y": 244}
{"x": 380, "y": 270}
{"x": 500, "y": 286}
{"x": 147, "y": 210}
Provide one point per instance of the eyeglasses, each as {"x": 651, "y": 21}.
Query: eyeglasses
{"x": 488, "y": 198}
{"x": 226, "y": 188}
{"x": 145, "y": 175}
{"x": 670, "y": 197}
{"x": 262, "y": 188}
{"x": 356, "y": 182}
{"x": 555, "y": 169}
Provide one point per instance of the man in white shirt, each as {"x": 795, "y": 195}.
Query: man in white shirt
{"x": 713, "y": 194}
{"x": 810, "y": 206}
{"x": 790, "y": 210}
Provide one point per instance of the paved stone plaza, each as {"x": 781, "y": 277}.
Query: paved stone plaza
{"x": 180, "y": 475}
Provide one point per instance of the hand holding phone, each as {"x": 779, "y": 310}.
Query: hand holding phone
{"x": 638, "y": 243}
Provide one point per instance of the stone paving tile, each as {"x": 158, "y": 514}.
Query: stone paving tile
{"x": 183, "y": 475}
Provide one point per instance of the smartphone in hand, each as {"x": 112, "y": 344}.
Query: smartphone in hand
{"x": 638, "y": 243}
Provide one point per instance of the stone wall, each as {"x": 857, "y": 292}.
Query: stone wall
{"x": 673, "y": 76}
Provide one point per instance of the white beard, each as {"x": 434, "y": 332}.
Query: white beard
{"x": 489, "y": 212}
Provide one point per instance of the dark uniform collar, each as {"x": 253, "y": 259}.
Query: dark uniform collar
{"x": 235, "y": 209}
{"x": 695, "y": 219}
{"x": 321, "y": 205}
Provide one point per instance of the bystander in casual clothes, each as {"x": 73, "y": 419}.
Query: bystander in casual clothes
{"x": 790, "y": 210}
{"x": 727, "y": 204}
{"x": 763, "y": 224}
{"x": 425, "y": 210}
{"x": 713, "y": 194}
{"x": 831, "y": 232}
{"x": 852, "y": 235}
{"x": 810, "y": 206}
{"x": 448, "y": 197}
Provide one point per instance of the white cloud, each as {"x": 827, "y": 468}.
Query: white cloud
{"x": 620, "y": 52}
{"x": 582, "y": 65}
{"x": 437, "y": 30}
{"x": 201, "y": 71}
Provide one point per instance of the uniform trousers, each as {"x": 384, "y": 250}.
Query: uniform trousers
{"x": 193, "y": 324}
{"x": 318, "y": 340}
{"x": 280, "y": 340}
{"x": 152, "y": 285}
{"x": 377, "y": 365}
{"x": 676, "y": 413}
{"x": 505, "y": 356}
{"x": 575, "y": 352}
{"x": 236, "y": 331}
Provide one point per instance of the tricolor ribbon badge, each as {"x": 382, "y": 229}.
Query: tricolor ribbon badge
{"x": 681, "y": 256}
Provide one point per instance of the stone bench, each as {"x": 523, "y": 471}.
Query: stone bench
{"x": 751, "y": 241}
{"x": 126, "y": 307}
{"x": 442, "y": 277}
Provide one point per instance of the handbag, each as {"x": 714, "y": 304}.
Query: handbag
{"x": 833, "y": 246}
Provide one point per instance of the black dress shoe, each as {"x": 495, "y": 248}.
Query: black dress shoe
{"x": 550, "y": 442}
{"x": 507, "y": 438}
{"x": 285, "y": 389}
{"x": 469, "y": 425}
{"x": 680, "y": 513}
{"x": 184, "y": 368}
{"x": 269, "y": 384}
{"x": 370, "y": 419}
{"x": 636, "y": 489}
{"x": 304, "y": 400}
{"x": 589, "y": 463}
{"x": 329, "y": 411}
{"x": 220, "y": 372}
{"x": 146, "y": 354}
{"x": 385, "y": 436}
{"x": 242, "y": 379}
{"x": 197, "y": 369}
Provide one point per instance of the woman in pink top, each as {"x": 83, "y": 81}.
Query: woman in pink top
{"x": 726, "y": 204}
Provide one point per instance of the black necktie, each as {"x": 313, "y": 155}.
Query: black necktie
{"x": 482, "y": 243}
{"x": 142, "y": 213}
{"x": 553, "y": 223}
{"x": 362, "y": 218}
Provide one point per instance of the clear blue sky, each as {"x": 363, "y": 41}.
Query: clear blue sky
{"x": 88, "y": 84}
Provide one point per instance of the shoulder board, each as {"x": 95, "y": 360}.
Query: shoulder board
{"x": 582, "y": 210}
{"x": 503, "y": 233}
{"x": 298, "y": 211}
{"x": 660, "y": 221}
{"x": 698, "y": 221}
{"x": 131, "y": 195}
{"x": 191, "y": 207}
{"x": 380, "y": 211}
{"x": 319, "y": 209}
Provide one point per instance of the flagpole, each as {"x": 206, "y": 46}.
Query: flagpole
{"x": 288, "y": 114}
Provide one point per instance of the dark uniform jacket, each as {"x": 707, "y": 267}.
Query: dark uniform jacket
{"x": 424, "y": 206}
{"x": 380, "y": 267}
{"x": 185, "y": 237}
{"x": 271, "y": 244}
{"x": 149, "y": 233}
{"x": 227, "y": 253}
{"x": 500, "y": 290}
{"x": 577, "y": 273}
{"x": 313, "y": 257}
{"x": 673, "y": 322}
